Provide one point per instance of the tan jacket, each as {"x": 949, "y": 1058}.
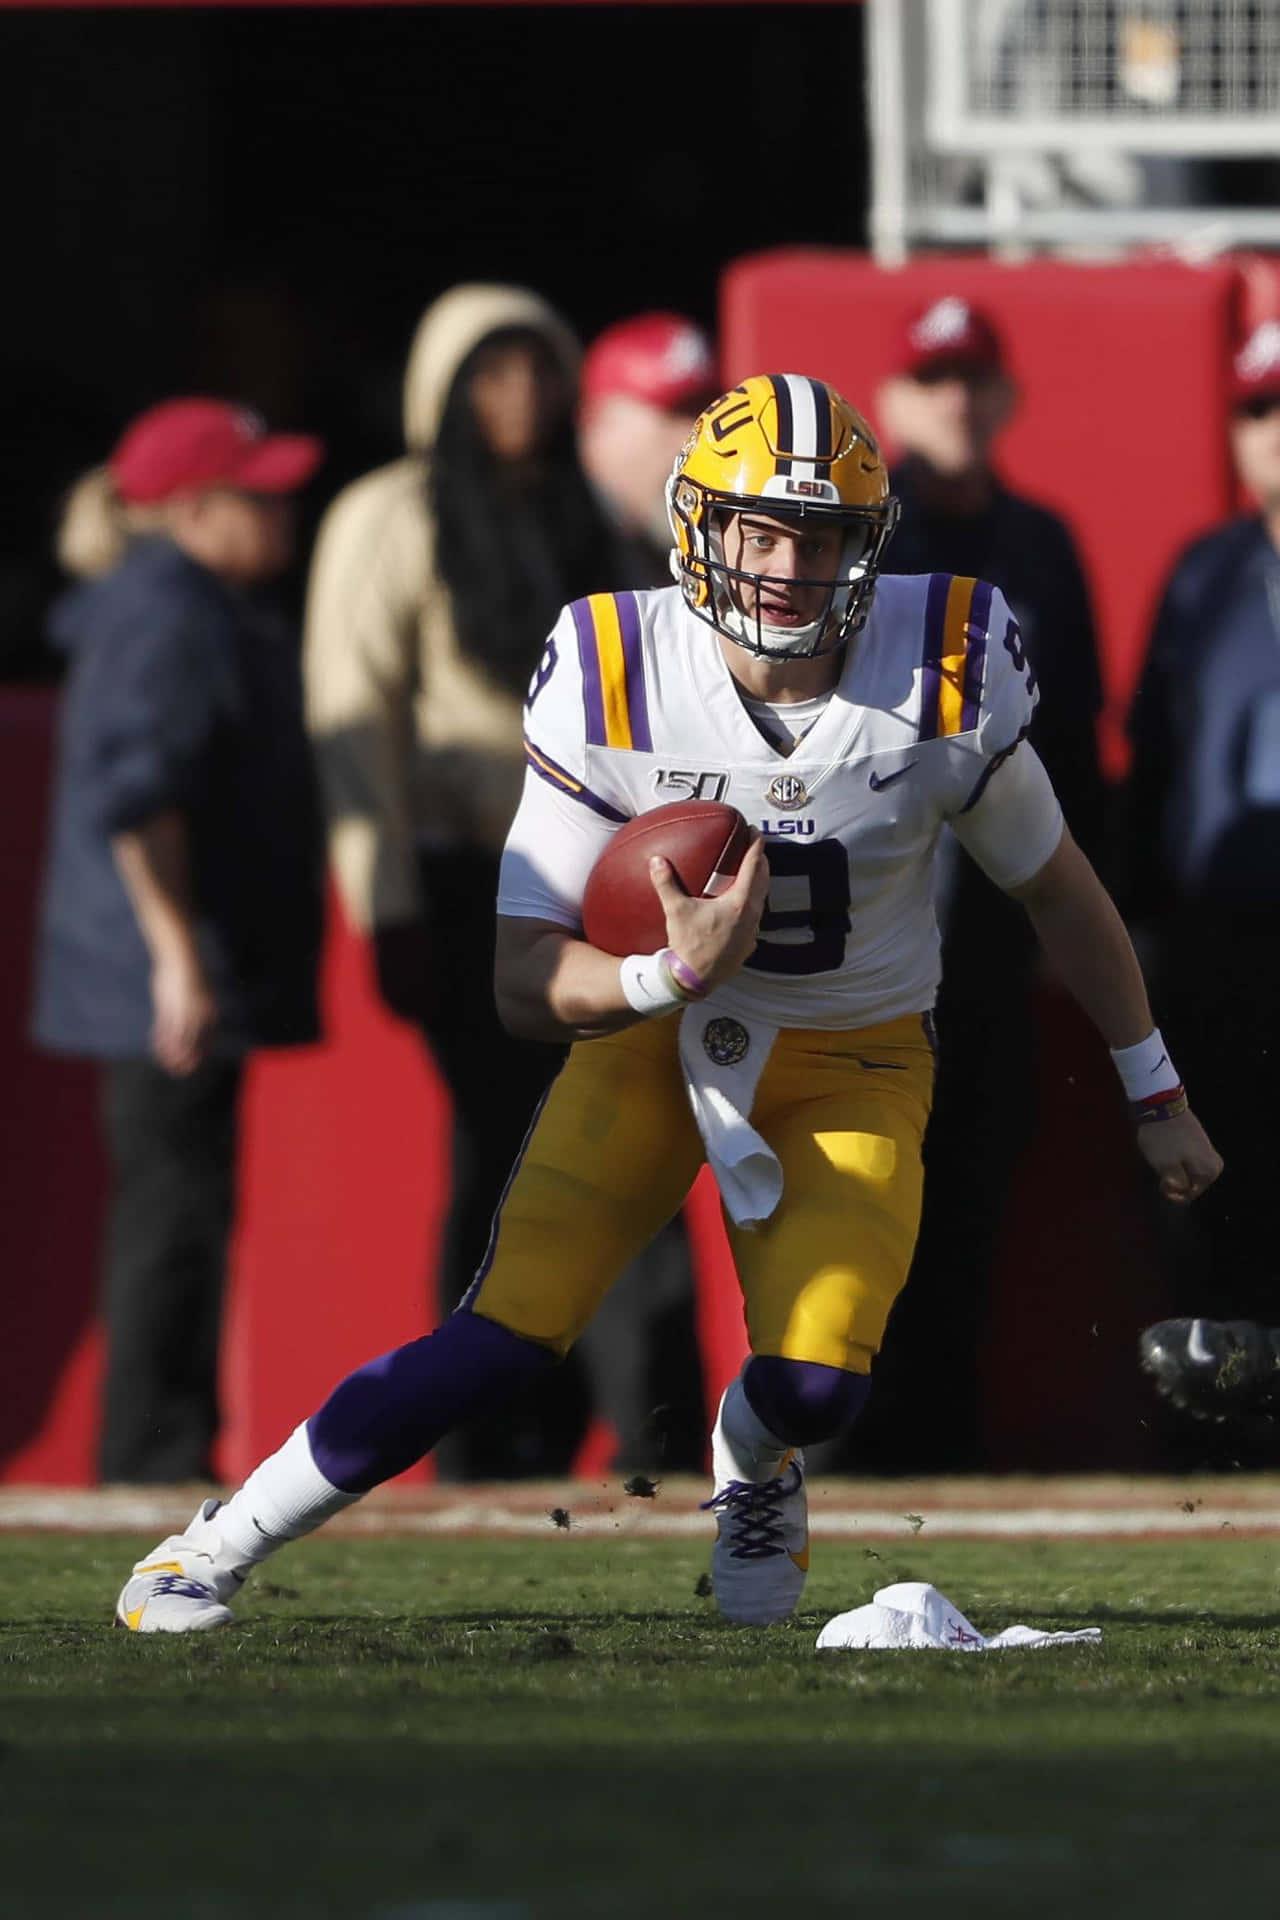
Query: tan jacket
{"x": 414, "y": 741}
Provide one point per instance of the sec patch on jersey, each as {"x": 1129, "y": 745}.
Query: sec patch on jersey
{"x": 704, "y": 840}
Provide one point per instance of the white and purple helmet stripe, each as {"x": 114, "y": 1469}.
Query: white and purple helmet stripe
{"x": 804, "y": 426}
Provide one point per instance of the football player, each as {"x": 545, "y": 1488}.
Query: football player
{"x": 783, "y": 1032}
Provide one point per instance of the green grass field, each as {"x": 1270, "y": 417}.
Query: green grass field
{"x": 560, "y": 1726}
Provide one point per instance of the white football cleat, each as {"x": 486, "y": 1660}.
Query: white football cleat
{"x": 761, "y": 1555}
{"x": 182, "y": 1586}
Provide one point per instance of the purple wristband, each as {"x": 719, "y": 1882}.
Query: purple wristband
{"x": 688, "y": 984}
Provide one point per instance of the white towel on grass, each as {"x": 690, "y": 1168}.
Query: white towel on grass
{"x": 914, "y": 1614}
{"x": 723, "y": 1057}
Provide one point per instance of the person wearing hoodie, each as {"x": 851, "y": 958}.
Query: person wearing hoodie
{"x": 434, "y": 583}
{"x": 182, "y": 903}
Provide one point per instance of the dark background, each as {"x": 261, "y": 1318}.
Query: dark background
{"x": 261, "y": 202}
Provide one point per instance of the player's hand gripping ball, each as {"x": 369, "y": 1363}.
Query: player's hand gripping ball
{"x": 705, "y": 842}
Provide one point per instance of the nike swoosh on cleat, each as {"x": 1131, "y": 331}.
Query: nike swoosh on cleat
{"x": 879, "y": 781}
{"x": 1196, "y": 1348}
{"x": 801, "y": 1559}
{"x": 132, "y": 1618}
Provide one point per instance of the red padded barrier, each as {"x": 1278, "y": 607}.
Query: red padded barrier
{"x": 52, "y": 1175}
{"x": 343, "y": 1177}
{"x": 1123, "y": 371}
{"x": 345, "y": 1157}
{"x": 1123, "y": 374}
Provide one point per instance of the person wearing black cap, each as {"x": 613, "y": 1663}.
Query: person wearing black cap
{"x": 1203, "y": 894}
{"x": 182, "y": 908}
{"x": 950, "y": 396}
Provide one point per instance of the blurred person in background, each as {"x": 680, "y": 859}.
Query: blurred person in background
{"x": 644, "y": 382}
{"x": 182, "y": 905}
{"x": 645, "y": 379}
{"x": 1202, "y": 893}
{"x": 949, "y": 398}
{"x": 434, "y": 583}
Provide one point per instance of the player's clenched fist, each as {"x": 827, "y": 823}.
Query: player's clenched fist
{"x": 1182, "y": 1157}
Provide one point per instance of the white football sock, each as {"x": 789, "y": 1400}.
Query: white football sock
{"x": 742, "y": 1447}
{"x": 281, "y": 1500}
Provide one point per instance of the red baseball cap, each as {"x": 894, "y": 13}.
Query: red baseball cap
{"x": 1255, "y": 370}
{"x": 948, "y": 333}
{"x": 180, "y": 446}
{"x": 663, "y": 358}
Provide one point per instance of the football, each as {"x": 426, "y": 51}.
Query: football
{"x": 703, "y": 839}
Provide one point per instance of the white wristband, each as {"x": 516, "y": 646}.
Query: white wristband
{"x": 1146, "y": 1068}
{"x": 648, "y": 986}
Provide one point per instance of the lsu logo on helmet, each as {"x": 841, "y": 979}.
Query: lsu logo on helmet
{"x": 784, "y": 445}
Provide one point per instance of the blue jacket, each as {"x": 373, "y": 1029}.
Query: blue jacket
{"x": 1204, "y": 788}
{"x": 181, "y": 694}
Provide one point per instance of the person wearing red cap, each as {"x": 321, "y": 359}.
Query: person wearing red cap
{"x": 950, "y": 396}
{"x": 644, "y": 382}
{"x": 181, "y": 914}
{"x": 1203, "y": 891}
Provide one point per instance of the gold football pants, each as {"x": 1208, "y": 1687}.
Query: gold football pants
{"x": 614, "y": 1150}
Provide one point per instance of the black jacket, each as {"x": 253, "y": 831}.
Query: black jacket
{"x": 1027, "y": 551}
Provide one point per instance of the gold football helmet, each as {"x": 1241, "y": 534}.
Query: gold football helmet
{"x": 789, "y": 447}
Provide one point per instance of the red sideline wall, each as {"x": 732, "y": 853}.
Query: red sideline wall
{"x": 345, "y": 1156}
{"x": 1123, "y": 372}
{"x": 344, "y": 1172}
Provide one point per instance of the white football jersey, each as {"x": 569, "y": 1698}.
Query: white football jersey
{"x": 633, "y": 706}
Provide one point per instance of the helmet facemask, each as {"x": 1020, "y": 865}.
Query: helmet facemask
{"x": 698, "y": 516}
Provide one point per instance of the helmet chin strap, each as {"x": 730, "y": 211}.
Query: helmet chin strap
{"x": 756, "y": 636}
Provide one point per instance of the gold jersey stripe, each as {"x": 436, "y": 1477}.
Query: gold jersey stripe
{"x": 955, "y": 650}
{"x": 613, "y": 669}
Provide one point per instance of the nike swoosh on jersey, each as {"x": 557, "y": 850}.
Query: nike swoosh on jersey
{"x": 879, "y": 781}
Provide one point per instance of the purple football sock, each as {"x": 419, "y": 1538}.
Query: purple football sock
{"x": 801, "y": 1401}
{"x": 386, "y": 1415}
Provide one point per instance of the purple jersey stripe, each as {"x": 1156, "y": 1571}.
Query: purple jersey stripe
{"x": 633, "y": 654}
{"x": 975, "y": 655}
{"x": 563, "y": 781}
{"x": 468, "y": 1298}
{"x": 935, "y": 620}
{"x": 592, "y": 691}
